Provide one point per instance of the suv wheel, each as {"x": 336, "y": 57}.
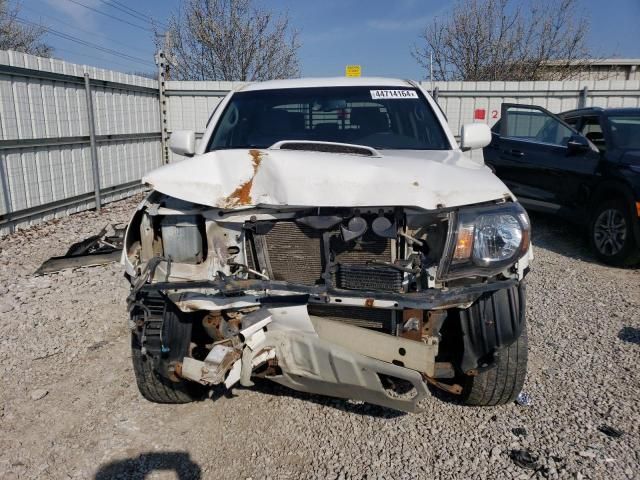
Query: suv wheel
{"x": 611, "y": 234}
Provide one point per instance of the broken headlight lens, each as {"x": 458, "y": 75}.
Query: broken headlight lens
{"x": 485, "y": 240}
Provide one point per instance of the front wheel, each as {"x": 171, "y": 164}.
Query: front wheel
{"x": 502, "y": 383}
{"x": 494, "y": 338}
{"x": 167, "y": 335}
{"x": 611, "y": 234}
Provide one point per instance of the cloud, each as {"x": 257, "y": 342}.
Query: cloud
{"x": 331, "y": 35}
{"x": 75, "y": 12}
{"x": 399, "y": 24}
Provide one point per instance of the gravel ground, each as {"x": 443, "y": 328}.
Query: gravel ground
{"x": 69, "y": 407}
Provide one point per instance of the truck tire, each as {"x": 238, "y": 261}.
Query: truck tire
{"x": 502, "y": 383}
{"x": 152, "y": 368}
{"x": 611, "y": 234}
{"x": 495, "y": 338}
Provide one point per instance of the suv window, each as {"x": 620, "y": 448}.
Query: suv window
{"x": 573, "y": 121}
{"x": 592, "y": 129}
{"x": 526, "y": 123}
{"x": 625, "y": 131}
{"x": 379, "y": 117}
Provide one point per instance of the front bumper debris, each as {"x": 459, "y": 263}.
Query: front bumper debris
{"x": 316, "y": 355}
{"x": 281, "y": 341}
{"x": 100, "y": 249}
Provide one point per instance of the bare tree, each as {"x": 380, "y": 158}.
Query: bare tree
{"x": 229, "y": 40}
{"x": 502, "y": 40}
{"x": 18, "y": 36}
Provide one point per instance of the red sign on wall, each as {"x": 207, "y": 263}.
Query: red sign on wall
{"x": 479, "y": 114}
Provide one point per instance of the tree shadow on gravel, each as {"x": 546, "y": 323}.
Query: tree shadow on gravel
{"x": 271, "y": 388}
{"x": 630, "y": 334}
{"x": 562, "y": 237}
{"x": 140, "y": 467}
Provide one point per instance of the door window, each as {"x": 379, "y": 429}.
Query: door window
{"x": 592, "y": 129}
{"x": 534, "y": 124}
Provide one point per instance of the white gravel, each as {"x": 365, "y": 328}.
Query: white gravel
{"x": 65, "y": 335}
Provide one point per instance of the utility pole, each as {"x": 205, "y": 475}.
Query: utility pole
{"x": 161, "y": 62}
{"x": 95, "y": 166}
{"x": 431, "y": 71}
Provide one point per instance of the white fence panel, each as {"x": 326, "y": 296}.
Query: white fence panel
{"x": 45, "y": 158}
{"x": 190, "y": 103}
{"x": 46, "y": 167}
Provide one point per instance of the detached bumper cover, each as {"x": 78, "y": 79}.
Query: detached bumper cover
{"x": 311, "y": 364}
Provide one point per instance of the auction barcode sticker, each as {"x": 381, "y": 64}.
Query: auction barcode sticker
{"x": 393, "y": 94}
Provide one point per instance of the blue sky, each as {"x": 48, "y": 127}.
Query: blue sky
{"x": 376, "y": 34}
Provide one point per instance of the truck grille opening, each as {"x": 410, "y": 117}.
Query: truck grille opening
{"x": 295, "y": 253}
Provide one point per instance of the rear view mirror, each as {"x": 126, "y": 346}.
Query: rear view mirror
{"x": 578, "y": 144}
{"x": 183, "y": 142}
{"x": 474, "y": 135}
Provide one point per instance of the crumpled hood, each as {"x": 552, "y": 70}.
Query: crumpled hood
{"x": 273, "y": 178}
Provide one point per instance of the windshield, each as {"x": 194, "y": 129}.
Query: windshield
{"x": 383, "y": 118}
{"x": 625, "y": 131}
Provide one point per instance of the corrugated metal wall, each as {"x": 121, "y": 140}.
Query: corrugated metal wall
{"x": 45, "y": 159}
{"x": 45, "y": 155}
{"x": 459, "y": 100}
{"x": 191, "y": 103}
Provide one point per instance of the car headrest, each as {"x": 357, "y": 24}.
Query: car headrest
{"x": 274, "y": 121}
{"x": 595, "y": 136}
{"x": 369, "y": 119}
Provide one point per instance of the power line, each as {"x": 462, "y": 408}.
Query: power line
{"x": 132, "y": 12}
{"x": 80, "y": 29}
{"x": 110, "y": 16}
{"x": 84, "y": 42}
{"x": 94, "y": 55}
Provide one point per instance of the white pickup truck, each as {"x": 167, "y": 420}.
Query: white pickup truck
{"x": 329, "y": 235}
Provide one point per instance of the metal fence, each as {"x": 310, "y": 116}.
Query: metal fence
{"x": 462, "y": 100}
{"x": 50, "y": 112}
{"x": 191, "y": 103}
{"x": 48, "y": 165}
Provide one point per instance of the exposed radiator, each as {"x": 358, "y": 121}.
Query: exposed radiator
{"x": 357, "y": 277}
{"x": 295, "y": 254}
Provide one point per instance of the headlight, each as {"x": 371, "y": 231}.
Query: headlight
{"x": 483, "y": 241}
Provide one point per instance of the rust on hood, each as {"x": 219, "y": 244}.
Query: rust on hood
{"x": 242, "y": 194}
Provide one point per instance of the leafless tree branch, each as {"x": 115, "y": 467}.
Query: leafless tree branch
{"x": 18, "y": 36}
{"x": 504, "y": 40}
{"x": 230, "y": 40}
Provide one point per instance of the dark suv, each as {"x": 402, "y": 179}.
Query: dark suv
{"x": 582, "y": 164}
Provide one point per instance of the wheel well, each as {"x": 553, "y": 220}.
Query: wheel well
{"x": 613, "y": 191}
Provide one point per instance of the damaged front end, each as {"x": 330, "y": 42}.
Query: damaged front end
{"x": 347, "y": 302}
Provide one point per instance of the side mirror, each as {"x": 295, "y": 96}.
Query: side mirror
{"x": 577, "y": 144}
{"x": 183, "y": 142}
{"x": 474, "y": 135}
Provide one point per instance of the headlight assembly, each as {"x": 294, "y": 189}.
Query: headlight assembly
{"x": 483, "y": 241}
